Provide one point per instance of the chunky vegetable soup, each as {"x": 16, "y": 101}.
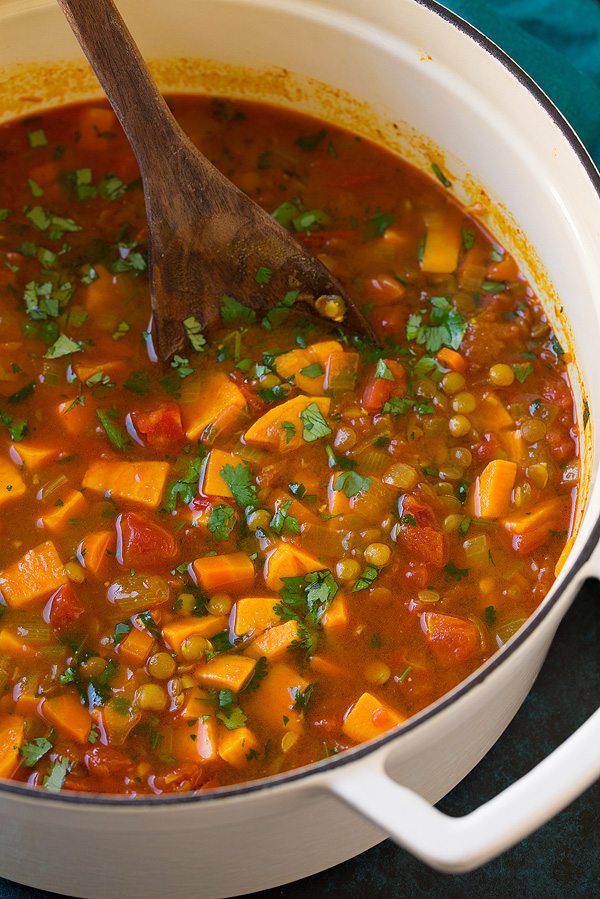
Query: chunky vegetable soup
{"x": 289, "y": 540}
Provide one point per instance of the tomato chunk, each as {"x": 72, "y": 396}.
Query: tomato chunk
{"x": 451, "y": 639}
{"x": 387, "y": 380}
{"x": 161, "y": 429}
{"x": 64, "y": 610}
{"x": 142, "y": 542}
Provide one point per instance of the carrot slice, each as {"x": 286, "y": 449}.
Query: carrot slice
{"x": 451, "y": 359}
{"x": 95, "y": 550}
{"x": 255, "y": 614}
{"x": 493, "y": 489}
{"x": 210, "y": 477}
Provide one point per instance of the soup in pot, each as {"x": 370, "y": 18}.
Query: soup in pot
{"x": 289, "y": 540}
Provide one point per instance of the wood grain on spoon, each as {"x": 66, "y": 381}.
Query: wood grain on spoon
{"x": 205, "y": 237}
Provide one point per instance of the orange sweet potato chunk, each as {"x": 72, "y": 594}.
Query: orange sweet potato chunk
{"x": 33, "y": 577}
{"x": 12, "y": 485}
{"x": 142, "y": 483}
{"x": 369, "y": 718}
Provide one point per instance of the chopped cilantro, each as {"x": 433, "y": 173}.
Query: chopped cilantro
{"x": 118, "y": 439}
{"x": 63, "y": 346}
{"x": 278, "y": 314}
{"x": 468, "y": 238}
{"x": 55, "y": 779}
{"x": 33, "y": 750}
{"x": 397, "y": 406}
{"x": 522, "y": 372}
{"x": 440, "y": 175}
{"x": 37, "y": 138}
{"x": 232, "y": 310}
{"x": 555, "y": 344}
{"x": 137, "y": 382}
{"x": 586, "y": 413}
{"x": 311, "y": 220}
{"x": 383, "y": 372}
{"x": 447, "y": 327}
{"x": 368, "y": 576}
{"x": 490, "y": 616}
{"x": 193, "y": 331}
{"x": 352, "y": 483}
{"x": 314, "y": 423}
{"x": 311, "y": 141}
{"x": 378, "y": 224}
{"x": 221, "y": 522}
{"x": 185, "y": 488}
{"x": 457, "y": 574}
{"x": 282, "y": 521}
{"x": 263, "y": 275}
{"x": 121, "y": 631}
{"x": 241, "y": 483}
{"x": 182, "y": 366}
{"x": 290, "y": 430}
{"x": 301, "y": 697}
{"x": 314, "y": 370}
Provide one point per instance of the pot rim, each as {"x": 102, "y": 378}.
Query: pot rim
{"x": 574, "y": 566}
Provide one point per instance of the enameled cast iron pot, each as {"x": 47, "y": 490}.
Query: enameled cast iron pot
{"x": 414, "y": 69}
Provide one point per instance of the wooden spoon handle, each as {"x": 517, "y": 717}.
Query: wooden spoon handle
{"x": 124, "y": 76}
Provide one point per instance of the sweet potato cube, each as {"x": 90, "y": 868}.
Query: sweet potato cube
{"x": 286, "y": 560}
{"x": 335, "y": 619}
{"x": 12, "y": 737}
{"x": 443, "y": 242}
{"x": 226, "y": 672}
{"x": 12, "y": 485}
{"x": 253, "y": 614}
{"x": 369, "y": 718}
{"x": 212, "y": 483}
{"x": 492, "y": 415}
{"x": 119, "y": 718}
{"x": 33, "y": 577}
{"x": 210, "y": 404}
{"x": 75, "y": 419}
{"x": 135, "y": 647}
{"x": 115, "y": 369}
{"x": 274, "y": 700}
{"x": 269, "y": 432}
{"x": 95, "y": 551}
{"x": 275, "y": 642}
{"x": 56, "y": 519}
{"x": 235, "y": 746}
{"x": 313, "y": 359}
{"x": 178, "y": 630}
{"x": 197, "y": 743}
{"x": 231, "y": 571}
{"x": 65, "y": 712}
{"x": 197, "y": 703}
{"x": 142, "y": 483}
{"x": 14, "y": 645}
{"x": 33, "y": 457}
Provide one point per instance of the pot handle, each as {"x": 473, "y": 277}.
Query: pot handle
{"x": 461, "y": 844}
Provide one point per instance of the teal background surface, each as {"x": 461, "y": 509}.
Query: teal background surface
{"x": 558, "y": 44}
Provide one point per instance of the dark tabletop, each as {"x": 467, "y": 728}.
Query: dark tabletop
{"x": 560, "y": 861}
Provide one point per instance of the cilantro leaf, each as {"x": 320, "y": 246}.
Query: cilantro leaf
{"x": 396, "y": 405}
{"x": 221, "y": 522}
{"x": 232, "y": 718}
{"x": 55, "y": 779}
{"x": 314, "y": 370}
{"x": 314, "y": 423}
{"x": 522, "y": 372}
{"x": 240, "y": 482}
{"x": 352, "y": 483}
{"x": 263, "y": 275}
{"x": 382, "y": 372}
{"x": 365, "y": 580}
{"x": 378, "y": 224}
{"x": 290, "y": 430}
{"x": 34, "y": 750}
{"x": 301, "y": 697}
{"x": 447, "y": 327}
{"x": 232, "y": 310}
{"x": 185, "y": 488}
{"x": 283, "y": 521}
{"x": 457, "y": 574}
{"x": 118, "y": 439}
{"x": 63, "y": 346}
{"x": 193, "y": 330}
{"x": 439, "y": 174}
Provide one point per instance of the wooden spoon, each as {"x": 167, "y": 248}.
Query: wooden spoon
{"x": 205, "y": 237}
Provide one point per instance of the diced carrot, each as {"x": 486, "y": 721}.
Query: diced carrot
{"x": 94, "y": 122}
{"x": 115, "y": 369}
{"x": 197, "y": 743}
{"x": 443, "y": 241}
{"x": 383, "y": 289}
{"x": 33, "y": 457}
{"x": 236, "y": 746}
{"x": 210, "y": 476}
{"x": 65, "y": 712}
{"x": 14, "y": 645}
{"x": 212, "y": 404}
{"x": 491, "y": 414}
{"x": 504, "y": 270}
{"x": 286, "y": 560}
{"x": 142, "y": 483}
{"x": 75, "y": 419}
{"x": 135, "y": 647}
{"x": 232, "y": 571}
{"x": 253, "y": 614}
{"x": 369, "y": 718}
{"x": 269, "y": 432}
{"x": 493, "y": 489}
{"x": 512, "y": 441}
{"x": 451, "y": 359}
{"x": 315, "y": 355}
{"x": 335, "y": 619}
{"x": 273, "y": 703}
{"x": 295, "y": 509}
{"x": 451, "y": 639}
{"x": 95, "y": 551}
{"x": 198, "y": 702}
{"x": 545, "y": 514}
{"x": 56, "y": 519}
{"x": 178, "y": 630}
{"x": 337, "y": 501}
{"x": 119, "y": 717}
{"x": 33, "y": 577}
{"x": 12, "y": 485}
{"x": 12, "y": 737}
{"x": 226, "y": 672}
{"x": 275, "y": 642}
{"x": 341, "y": 372}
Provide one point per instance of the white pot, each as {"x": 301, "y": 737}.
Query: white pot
{"x": 405, "y": 62}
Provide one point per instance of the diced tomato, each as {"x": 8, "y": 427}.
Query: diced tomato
{"x": 186, "y": 776}
{"x": 425, "y": 543}
{"x": 142, "y": 542}
{"x": 560, "y": 443}
{"x": 378, "y": 390}
{"x": 104, "y": 761}
{"x": 417, "y": 575}
{"x": 256, "y": 405}
{"x": 527, "y": 543}
{"x": 64, "y": 610}
{"x": 557, "y": 391}
{"x": 451, "y": 639}
{"x": 160, "y": 428}
{"x": 389, "y": 319}
{"x": 423, "y": 513}
{"x": 487, "y": 449}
